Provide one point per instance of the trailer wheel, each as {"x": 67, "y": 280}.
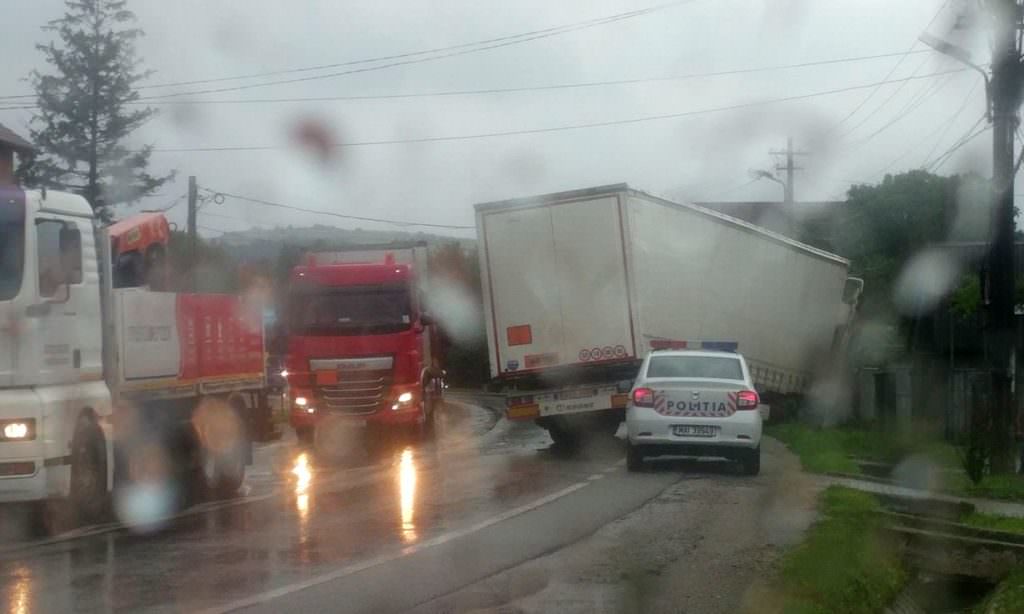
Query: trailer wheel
{"x": 223, "y": 439}
{"x": 564, "y": 436}
{"x": 89, "y": 496}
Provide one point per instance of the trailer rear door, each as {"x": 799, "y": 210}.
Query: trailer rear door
{"x": 557, "y": 281}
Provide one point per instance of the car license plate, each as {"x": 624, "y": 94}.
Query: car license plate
{"x": 694, "y": 430}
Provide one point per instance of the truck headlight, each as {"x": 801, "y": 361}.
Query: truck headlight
{"x": 19, "y": 430}
{"x": 301, "y": 401}
{"x": 403, "y": 399}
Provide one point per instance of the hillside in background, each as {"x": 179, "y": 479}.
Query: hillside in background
{"x": 266, "y": 244}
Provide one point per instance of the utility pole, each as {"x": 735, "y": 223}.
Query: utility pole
{"x": 789, "y": 167}
{"x": 1005, "y": 93}
{"x": 193, "y": 200}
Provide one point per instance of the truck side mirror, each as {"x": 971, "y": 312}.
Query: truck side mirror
{"x": 852, "y": 290}
{"x": 426, "y": 319}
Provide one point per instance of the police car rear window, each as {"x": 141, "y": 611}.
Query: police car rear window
{"x": 711, "y": 367}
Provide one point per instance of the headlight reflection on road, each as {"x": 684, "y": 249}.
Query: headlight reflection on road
{"x": 303, "y": 477}
{"x": 19, "y": 597}
{"x": 407, "y": 494}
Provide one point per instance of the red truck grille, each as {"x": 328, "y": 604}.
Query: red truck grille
{"x": 361, "y": 392}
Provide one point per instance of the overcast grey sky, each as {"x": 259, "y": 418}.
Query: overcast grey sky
{"x": 701, "y": 156}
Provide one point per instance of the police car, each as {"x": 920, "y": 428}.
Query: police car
{"x": 694, "y": 403}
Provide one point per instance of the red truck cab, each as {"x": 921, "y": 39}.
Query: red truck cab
{"x": 360, "y": 346}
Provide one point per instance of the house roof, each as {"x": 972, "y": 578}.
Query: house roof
{"x": 11, "y": 140}
{"x": 752, "y": 211}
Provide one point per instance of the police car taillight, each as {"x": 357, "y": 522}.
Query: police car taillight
{"x": 747, "y": 399}
{"x": 643, "y": 397}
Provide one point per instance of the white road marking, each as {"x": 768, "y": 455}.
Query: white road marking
{"x": 596, "y": 476}
{"x": 357, "y": 567}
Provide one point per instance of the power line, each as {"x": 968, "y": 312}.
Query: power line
{"x": 470, "y": 47}
{"x": 915, "y": 102}
{"x": 406, "y": 62}
{"x": 937, "y": 164}
{"x": 268, "y": 203}
{"x": 927, "y": 165}
{"x": 891, "y": 72}
{"x": 942, "y": 126}
{"x": 170, "y": 205}
{"x": 949, "y": 123}
{"x": 504, "y": 90}
{"x": 633, "y": 120}
{"x": 892, "y": 95}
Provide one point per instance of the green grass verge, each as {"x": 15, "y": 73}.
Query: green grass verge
{"x": 1006, "y": 487}
{"x": 827, "y": 449}
{"x": 843, "y": 566}
{"x": 820, "y": 451}
{"x": 1007, "y": 598}
{"x": 830, "y": 450}
{"x": 994, "y": 523}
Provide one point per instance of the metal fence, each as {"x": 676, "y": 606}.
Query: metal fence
{"x": 899, "y": 397}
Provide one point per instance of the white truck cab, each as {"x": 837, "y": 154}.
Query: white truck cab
{"x": 52, "y": 385}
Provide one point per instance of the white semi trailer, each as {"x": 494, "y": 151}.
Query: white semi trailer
{"x": 579, "y": 286}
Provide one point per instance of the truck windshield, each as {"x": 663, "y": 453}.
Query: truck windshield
{"x": 351, "y": 311}
{"x": 702, "y": 367}
{"x": 12, "y": 244}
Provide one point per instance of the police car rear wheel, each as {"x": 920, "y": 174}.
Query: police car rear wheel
{"x": 634, "y": 458}
{"x": 750, "y": 461}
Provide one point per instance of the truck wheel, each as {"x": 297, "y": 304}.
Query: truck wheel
{"x": 89, "y": 497}
{"x": 223, "y": 442}
{"x": 304, "y": 435}
{"x": 430, "y": 404}
{"x": 750, "y": 461}
{"x": 634, "y": 458}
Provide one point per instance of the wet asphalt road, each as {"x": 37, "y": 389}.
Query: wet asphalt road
{"x": 383, "y": 529}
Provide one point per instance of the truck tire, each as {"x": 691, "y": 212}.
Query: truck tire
{"x": 750, "y": 461}
{"x": 634, "y": 458}
{"x": 430, "y": 405}
{"x": 222, "y": 451}
{"x": 305, "y": 435}
{"x": 89, "y": 495}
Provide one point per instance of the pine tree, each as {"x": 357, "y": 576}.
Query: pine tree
{"x": 85, "y": 111}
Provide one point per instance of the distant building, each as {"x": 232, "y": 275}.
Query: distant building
{"x": 11, "y": 145}
{"x": 805, "y": 221}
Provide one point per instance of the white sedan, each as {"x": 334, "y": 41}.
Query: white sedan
{"x": 694, "y": 403}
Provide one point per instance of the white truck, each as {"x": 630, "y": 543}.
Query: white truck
{"x": 579, "y": 286}
{"x": 104, "y": 386}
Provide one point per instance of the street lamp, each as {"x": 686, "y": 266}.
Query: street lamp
{"x": 964, "y": 57}
{"x": 756, "y": 173}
